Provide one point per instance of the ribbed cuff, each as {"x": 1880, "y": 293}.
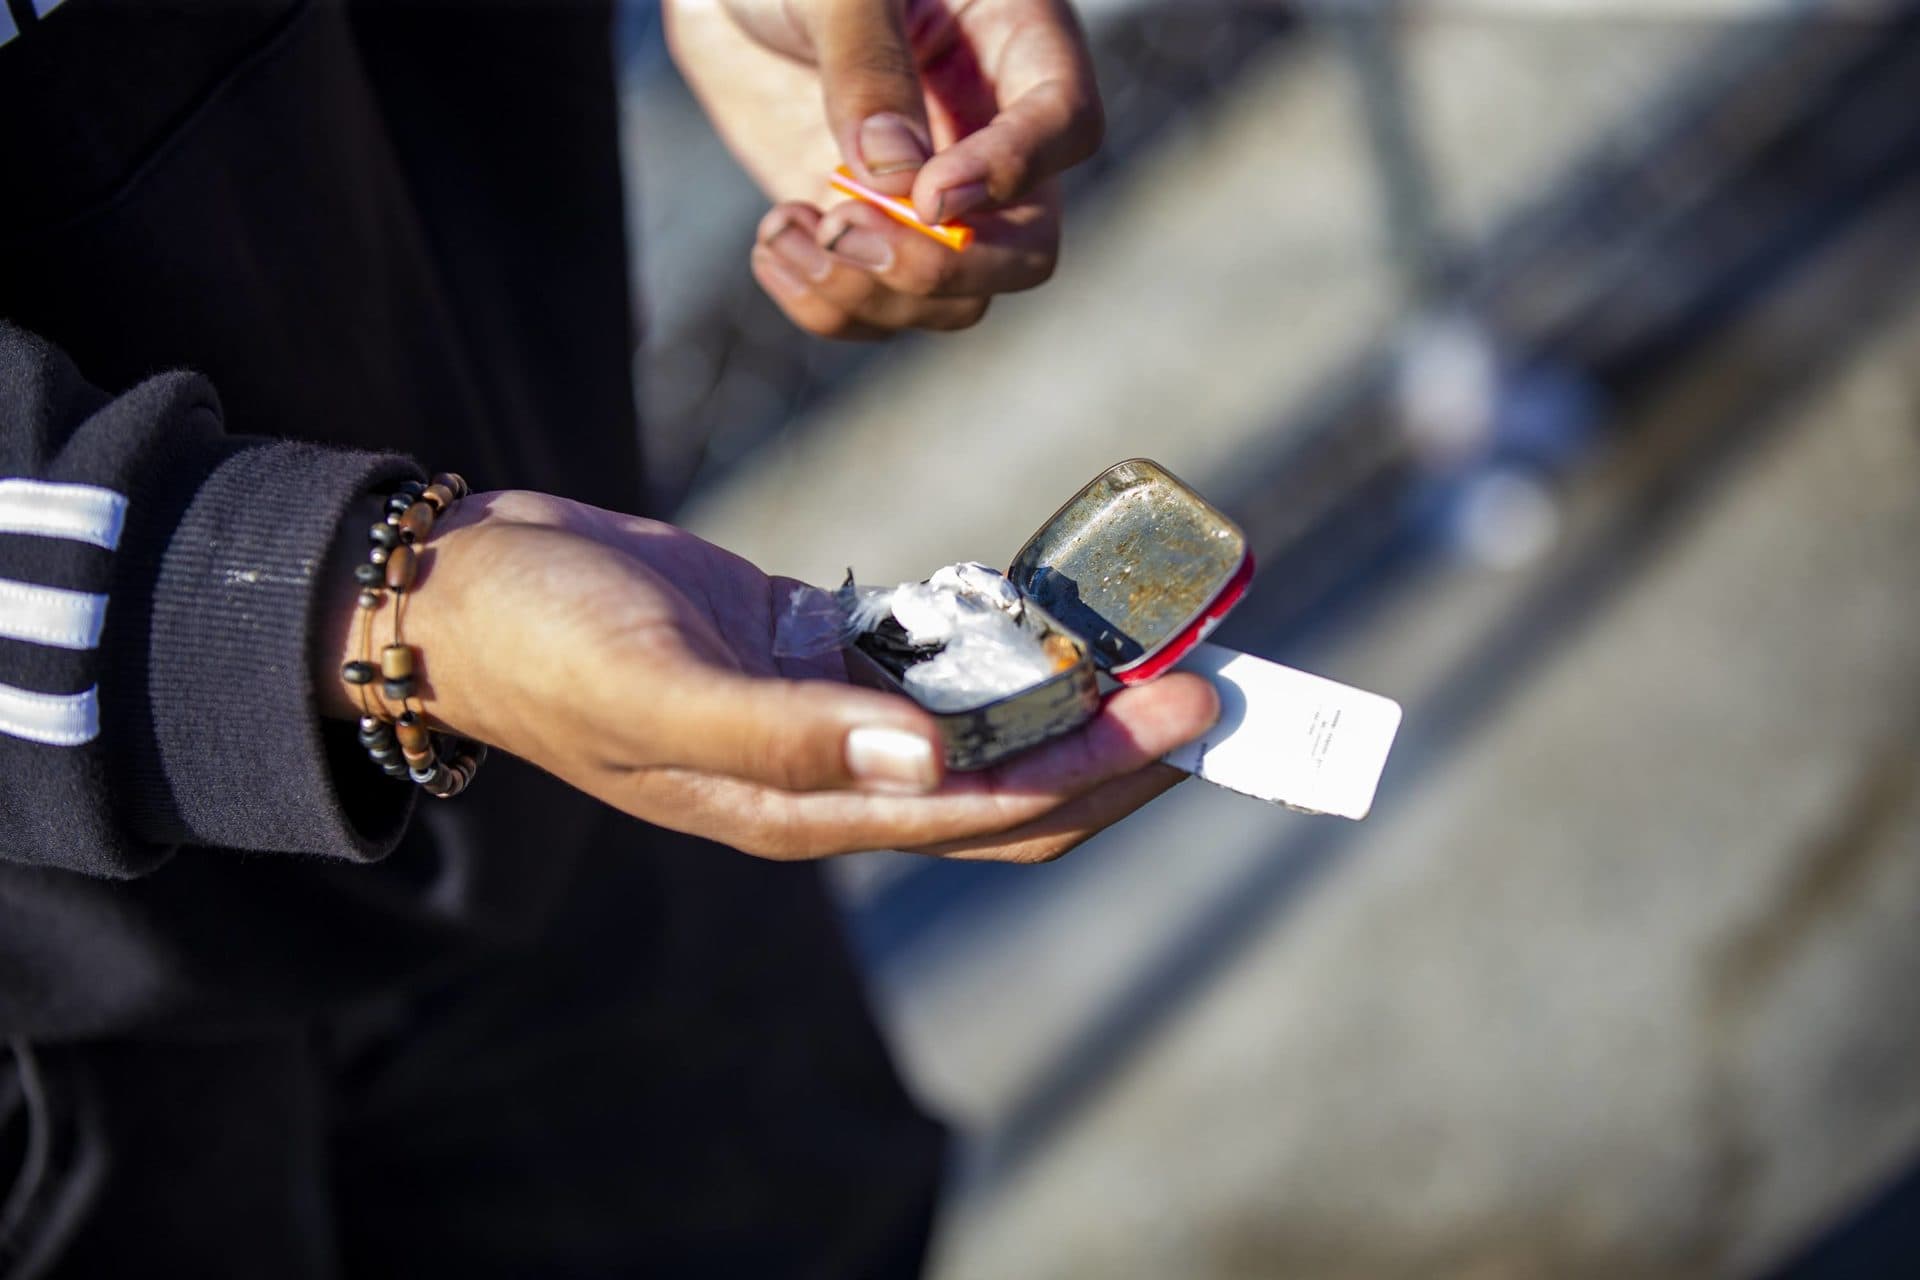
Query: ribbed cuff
{"x": 235, "y": 754}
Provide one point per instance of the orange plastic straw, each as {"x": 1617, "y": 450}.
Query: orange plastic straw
{"x": 954, "y": 235}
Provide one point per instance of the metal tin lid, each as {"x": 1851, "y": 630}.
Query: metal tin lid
{"x": 1139, "y": 565}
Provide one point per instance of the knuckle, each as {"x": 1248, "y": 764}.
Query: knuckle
{"x": 762, "y": 761}
{"x": 940, "y": 275}
{"x": 825, "y": 323}
{"x": 1013, "y": 177}
{"x": 969, "y": 314}
{"x": 789, "y": 769}
{"x": 859, "y": 298}
{"x": 919, "y": 278}
{"x": 773, "y": 830}
{"x": 1086, "y": 127}
{"x": 881, "y": 62}
{"x": 785, "y": 762}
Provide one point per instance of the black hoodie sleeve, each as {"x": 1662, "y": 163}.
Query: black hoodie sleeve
{"x": 158, "y": 580}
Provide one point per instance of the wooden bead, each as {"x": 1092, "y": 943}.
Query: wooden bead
{"x": 416, "y": 522}
{"x": 465, "y": 756}
{"x": 453, "y": 482}
{"x": 437, "y": 496}
{"x": 357, "y": 672}
{"x": 396, "y": 661}
{"x": 417, "y": 759}
{"x": 412, "y": 734}
{"x": 401, "y": 563}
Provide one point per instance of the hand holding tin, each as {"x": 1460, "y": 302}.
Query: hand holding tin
{"x": 1125, "y": 579}
{"x": 1129, "y": 578}
{"x": 635, "y": 662}
{"x": 965, "y": 108}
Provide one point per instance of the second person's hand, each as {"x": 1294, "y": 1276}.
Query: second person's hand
{"x": 967, "y": 107}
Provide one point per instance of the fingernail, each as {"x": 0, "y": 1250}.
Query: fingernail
{"x": 892, "y": 143}
{"x": 862, "y": 247}
{"x": 955, "y": 201}
{"x": 783, "y": 276}
{"x": 892, "y": 760}
{"x": 798, "y": 248}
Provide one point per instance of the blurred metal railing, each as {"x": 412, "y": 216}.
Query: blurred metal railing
{"x": 1783, "y": 137}
{"x": 1791, "y": 137}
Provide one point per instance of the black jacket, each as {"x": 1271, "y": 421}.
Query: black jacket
{"x": 253, "y": 258}
{"x": 256, "y": 257}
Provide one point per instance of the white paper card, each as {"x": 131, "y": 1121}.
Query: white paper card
{"x": 1289, "y": 737}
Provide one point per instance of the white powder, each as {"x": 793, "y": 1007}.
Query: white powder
{"x": 973, "y": 611}
{"x": 988, "y": 657}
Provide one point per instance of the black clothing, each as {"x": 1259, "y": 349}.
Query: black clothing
{"x": 532, "y": 1117}
{"x": 254, "y": 257}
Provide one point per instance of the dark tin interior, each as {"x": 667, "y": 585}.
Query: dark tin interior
{"x": 1130, "y": 561}
{"x": 1121, "y": 569}
{"x": 989, "y": 733}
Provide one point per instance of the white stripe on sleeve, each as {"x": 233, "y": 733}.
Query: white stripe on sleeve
{"x": 56, "y": 719}
{"x": 51, "y": 615}
{"x": 80, "y": 512}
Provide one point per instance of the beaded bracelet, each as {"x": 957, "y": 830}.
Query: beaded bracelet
{"x": 441, "y": 763}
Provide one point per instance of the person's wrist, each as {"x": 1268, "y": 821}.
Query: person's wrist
{"x": 448, "y": 625}
{"x": 436, "y": 624}
{"x": 337, "y": 619}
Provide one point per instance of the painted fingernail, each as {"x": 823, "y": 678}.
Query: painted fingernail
{"x": 891, "y": 760}
{"x": 892, "y": 143}
{"x": 955, "y": 201}
{"x": 798, "y": 248}
{"x": 862, "y": 247}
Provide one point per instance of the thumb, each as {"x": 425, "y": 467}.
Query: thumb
{"x": 803, "y": 735}
{"x": 871, "y": 85}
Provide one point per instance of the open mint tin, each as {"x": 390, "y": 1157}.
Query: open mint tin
{"x": 1133, "y": 572}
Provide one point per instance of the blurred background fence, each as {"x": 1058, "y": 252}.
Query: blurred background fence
{"x": 1562, "y": 362}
